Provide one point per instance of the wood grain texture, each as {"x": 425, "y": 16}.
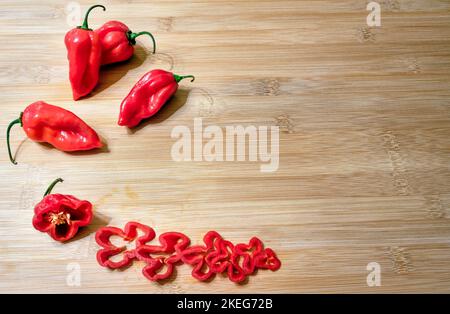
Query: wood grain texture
{"x": 364, "y": 115}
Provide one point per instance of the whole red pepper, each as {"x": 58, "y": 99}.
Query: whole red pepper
{"x": 61, "y": 215}
{"x": 43, "y": 122}
{"x": 84, "y": 53}
{"x": 118, "y": 41}
{"x": 148, "y": 96}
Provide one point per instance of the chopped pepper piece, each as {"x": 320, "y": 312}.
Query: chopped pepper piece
{"x": 103, "y": 238}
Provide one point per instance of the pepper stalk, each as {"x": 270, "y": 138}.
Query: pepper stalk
{"x": 132, "y": 38}
{"x": 51, "y": 186}
{"x": 178, "y": 78}
{"x": 85, "y": 21}
{"x": 8, "y": 130}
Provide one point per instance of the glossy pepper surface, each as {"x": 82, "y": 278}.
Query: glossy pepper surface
{"x": 130, "y": 233}
{"x": 148, "y": 96}
{"x": 84, "y": 53}
{"x": 59, "y": 127}
{"x": 215, "y": 256}
{"x": 171, "y": 245}
{"x": 61, "y": 215}
{"x": 118, "y": 41}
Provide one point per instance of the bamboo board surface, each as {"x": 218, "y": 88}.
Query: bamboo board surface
{"x": 364, "y": 117}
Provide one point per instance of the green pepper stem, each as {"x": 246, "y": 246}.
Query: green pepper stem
{"x": 8, "y": 130}
{"x": 132, "y": 38}
{"x": 85, "y": 22}
{"x": 178, "y": 78}
{"x": 50, "y": 187}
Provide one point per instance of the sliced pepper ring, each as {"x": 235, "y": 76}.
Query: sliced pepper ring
{"x": 248, "y": 253}
{"x": 103, "y": 238}
{"x": 150, "y": 271}
{"x": 267, "y": 259}
{"x": 172, "y": 243}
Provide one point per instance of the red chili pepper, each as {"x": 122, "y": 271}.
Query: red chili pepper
{"x": 148, "y": 96}
{"x": 61, "y": 128}
{"x": 195, "y": 253}
{"x": 219, "y": 259}
{"x": 152, "y": 270}
{"x": 118, "y": 41}
{"x": 61, "y": 215}
{"x": 248, "y": 253}
{"x": 235, "y": 272}
{"x": 171, "y": 243}
{"x": 215, "y": 256}
{"x": 84, "y": 53}
{"x": 267, "y": 259}
{"x": 207, "y": 259}
{"x": 103, "y": 235}
{"x": 202, "y": 271}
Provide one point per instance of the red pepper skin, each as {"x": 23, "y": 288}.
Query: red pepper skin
{"x": 118, "y": 42}
{"x": 202, "y": 271}
{"x": 219, "y": 259}
{"x": 267, "y": 259}
{"x": 235, "y": 272}
{"x": 103, "y": 235}
{"x": 248, "y": 252}
{"x": 207, "y": 259}
{"x": 61, "y": 215}
{"x": 215, "y": 256}
{"x": 84, "y": 53}
{"x": 148, "y": 96}
{"x": 171, "y": 243}
{"x": 59, "y": 127}
{"x": 151, "y": 270}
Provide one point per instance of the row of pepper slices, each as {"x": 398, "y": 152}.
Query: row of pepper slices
{"x": 216, "y": 256}
{"x": 61, "y": 216}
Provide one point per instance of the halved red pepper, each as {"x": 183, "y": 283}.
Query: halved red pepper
{"x": 61, "y": 215}
{"x": 103, "y": 235}
{"x": 148, "y": 96}
{"x": 118, "y": 41}
{"x": 84, "y": 53}
{"x": 43, "y": 122}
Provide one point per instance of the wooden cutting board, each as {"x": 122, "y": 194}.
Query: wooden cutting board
{"x": 364, "y": 119}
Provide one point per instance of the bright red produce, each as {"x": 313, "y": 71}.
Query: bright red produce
{"x": 118, "y": 41}
{"x": 130, "y": 233}
{"x": 148, "y": 96}
{"x": 171, "y": 244}
{"x": 59, "y": 127}
{"x": 84, "y": 53}
{"x": 61, "y": 215}
{"x": 216, "y": 256}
